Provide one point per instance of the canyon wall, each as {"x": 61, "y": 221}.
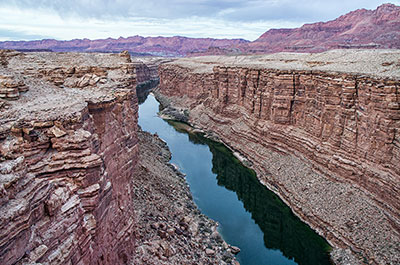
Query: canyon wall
{"x": 146, "y": 68}
{"x": 68, "y": 148}
{"x": 322, "y": 131}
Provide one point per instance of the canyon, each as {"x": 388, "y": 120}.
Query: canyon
{"x": 320, "y": 130}
{"x": 313, "y": 112}
{"x": 362, "y": 28}
{"x": 79, "y": 181}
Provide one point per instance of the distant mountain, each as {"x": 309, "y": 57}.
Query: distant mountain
{"x": 362, "y": 28}
{"x": 161, "y": 46}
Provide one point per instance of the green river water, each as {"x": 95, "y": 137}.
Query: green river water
{"x": 249, "y": 215}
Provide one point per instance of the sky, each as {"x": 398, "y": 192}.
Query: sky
{"x": 97, "y": 19}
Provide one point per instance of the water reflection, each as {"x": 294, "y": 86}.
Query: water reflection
{"x": 281, "y": 228}
{"x": 144, "y": 89}
{"x": 250, "y": 216}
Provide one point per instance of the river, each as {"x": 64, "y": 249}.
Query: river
{"x": 249, "y": 215}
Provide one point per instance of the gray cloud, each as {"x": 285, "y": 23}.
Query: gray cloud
{"x": 68, "y": 19}
{"x": 18, "y": 35}
{"x": 251, "y": 10}
{"x": 128, "y": 8}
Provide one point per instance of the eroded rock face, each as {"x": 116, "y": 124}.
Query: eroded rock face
{"x": 344, "y": 127}
{"x": 146, "y": 68}
{"x": 68, "y": 147}
{"x": 11, "y": 86}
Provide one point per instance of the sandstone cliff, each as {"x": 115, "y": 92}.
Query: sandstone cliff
{"x": 68, "y": 147}
{"x": 322, "y": 131}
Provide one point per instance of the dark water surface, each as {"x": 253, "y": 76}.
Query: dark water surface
{"x": 249, "y": 215}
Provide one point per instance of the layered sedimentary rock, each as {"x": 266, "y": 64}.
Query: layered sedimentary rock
{"x": 146, "y": 68}
{"x": 68, "y": 148}
{"x": 147, "y": 75}
{"x": 322, "y": 131}
{"x": 11, "y": 86}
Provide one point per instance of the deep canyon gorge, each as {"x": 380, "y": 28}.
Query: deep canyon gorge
{"x": 321, "y": 130}
{"x": 81, "y": 183}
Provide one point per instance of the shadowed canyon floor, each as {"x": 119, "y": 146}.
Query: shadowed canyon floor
{"x": 321, "y": 130}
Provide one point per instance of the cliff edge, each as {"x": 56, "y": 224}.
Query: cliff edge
{"x": 322, "y": 131}
{"x": 68, "y": 148}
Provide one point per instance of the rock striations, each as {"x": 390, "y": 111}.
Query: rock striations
{"x": 322, "y": 131}
{"x": 68, "y": 148}
{"x": 80, "y": 183}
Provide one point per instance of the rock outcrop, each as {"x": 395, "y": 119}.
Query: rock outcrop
{"x": 68, "y": 149}
{"x": 11, "y": 86}
{"x": 322, "y": 131}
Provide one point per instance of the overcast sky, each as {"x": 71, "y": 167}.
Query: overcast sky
{"x": 94, "y": 19}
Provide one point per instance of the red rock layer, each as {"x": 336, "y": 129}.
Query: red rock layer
{"x": 65, "y": 175}
{"x": 346, "y": 125}
{"x": 146, "y": 68}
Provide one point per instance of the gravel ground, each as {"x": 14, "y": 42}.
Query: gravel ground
{"x": 379, "y": 63}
